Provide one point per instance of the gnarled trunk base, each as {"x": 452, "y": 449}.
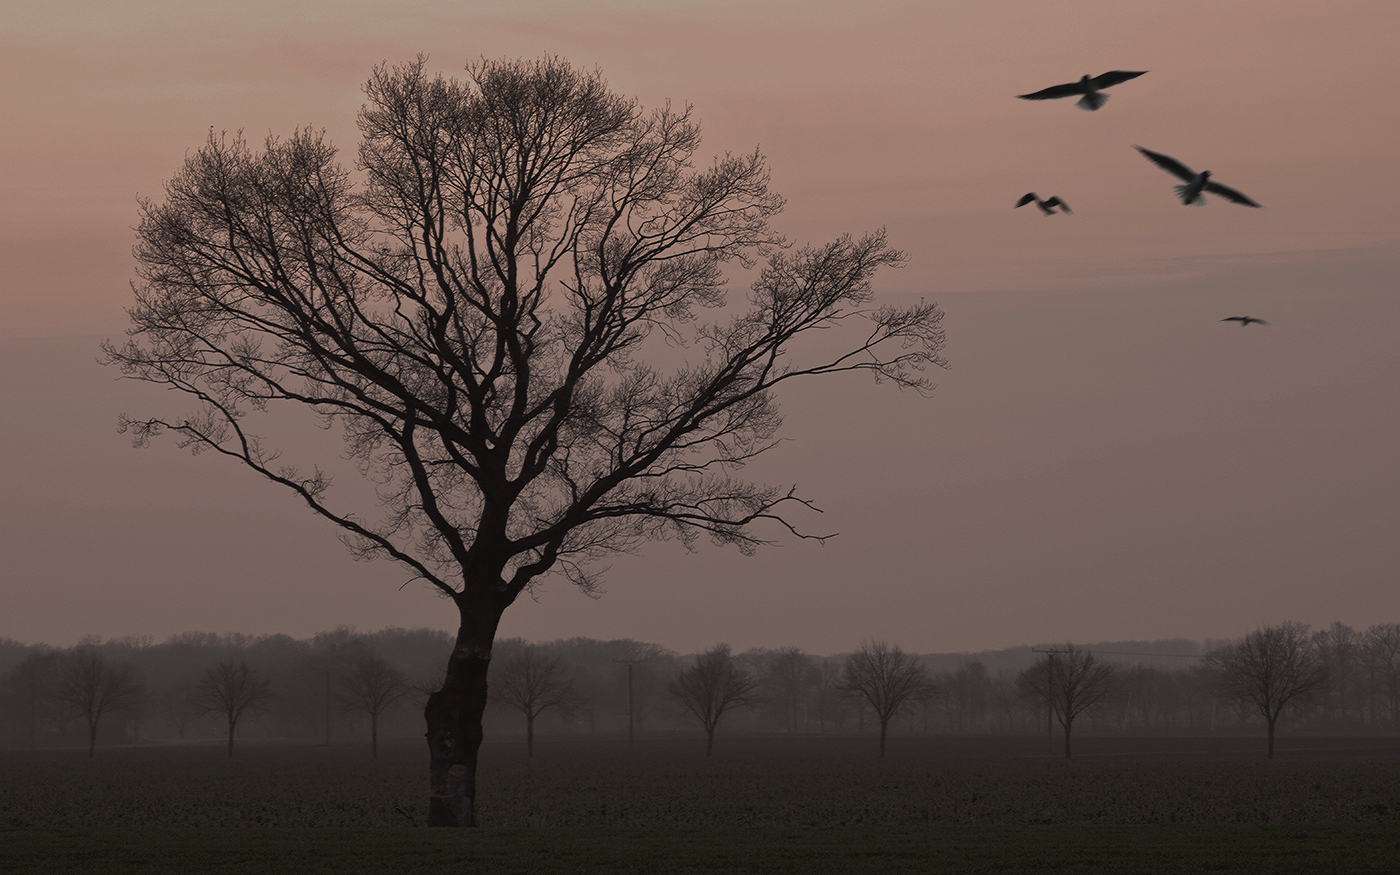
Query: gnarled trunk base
{"x": 453, "y": 715}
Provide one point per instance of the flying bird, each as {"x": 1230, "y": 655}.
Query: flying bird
{"x": 1244, "y": 320}
{"x": 1196, "y": 183}
{"x": 1090, "y": 87}
{"x": 1046, "y": 206}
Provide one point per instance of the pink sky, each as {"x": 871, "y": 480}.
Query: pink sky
{"x": 1104, "y": 460}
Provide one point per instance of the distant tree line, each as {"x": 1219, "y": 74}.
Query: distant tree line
{"x": 346, "y": 686}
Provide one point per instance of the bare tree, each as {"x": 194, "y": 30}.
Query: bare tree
{"x": 1069, "y": 682}
{"x": 477, "y": 320}
{"x": 1339, "y": 647}
{"x": 372, "y": 686}
{"x": 712, "y": 686}
{"x": 532, "y": 683}
{"x": 232, "y": 690}
{"x": 92, "y": 687}
{"x": 790, "y": 674}
{"x": 887, "y": 679}
{"x": 1381, "y": 655}
{"x": 1271, "y": 668}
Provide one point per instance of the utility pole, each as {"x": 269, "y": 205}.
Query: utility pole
{"x": 631, "y": 732}
{"x": 1049, "y": 698}
{"x": 328, "y": 707}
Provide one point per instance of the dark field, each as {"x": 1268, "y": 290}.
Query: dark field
{"x": 762, "y": 805}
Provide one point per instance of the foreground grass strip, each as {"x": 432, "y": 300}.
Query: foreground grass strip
{"x": 674, "y": 794}
{"x": 1156, "y": 848}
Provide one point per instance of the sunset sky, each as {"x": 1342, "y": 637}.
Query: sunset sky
{"x": 1104, "y": 459}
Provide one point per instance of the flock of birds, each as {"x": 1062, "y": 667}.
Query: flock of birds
{"x": 1195, "y": 185}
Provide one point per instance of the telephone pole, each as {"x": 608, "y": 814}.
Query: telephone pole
{"x": 1049, "y": 697}
{"x": 631, "y": 733}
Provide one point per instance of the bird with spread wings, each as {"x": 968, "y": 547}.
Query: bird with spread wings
{"x": 1244, "y": 320}
{"x": 1196, "y": 183}
{"x": 1090, "y": 87}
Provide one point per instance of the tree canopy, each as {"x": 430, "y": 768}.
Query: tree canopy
{"x": 472, "y": 318}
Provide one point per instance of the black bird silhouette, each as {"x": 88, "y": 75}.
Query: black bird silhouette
{"x": 1046, "y": 206}
{"x": 1090, "y": 87}
{"x": 1243, "y": 320}
{"x": 1196, "y": 183}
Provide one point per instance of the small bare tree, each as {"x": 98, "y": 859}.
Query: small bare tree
{"x": 1070, "y": 682}
{"x": 1271, "y": 668}
{"x": 887, "y": 679}
{"x": 712, "y": 686}
{"x": 372, "y": 687}
{"x": 532, "y": 683}
{"x": 231, "y": 690}
{"x": 92, "y": 687}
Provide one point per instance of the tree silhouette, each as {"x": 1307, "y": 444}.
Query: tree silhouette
{"x": 712, "y": 686}
{"x": 1070, "y": 682}
{"x": 372, "y": 686}
{"x": 532, "y": 683}
{"x": 887, "y": 679}
{"x": 231, "y": 690}
{"x": 477, "y": 320}
{"x": 1271, "y": 668}
{"x": 92, "y": 687}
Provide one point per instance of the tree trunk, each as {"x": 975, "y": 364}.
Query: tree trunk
{"x": 709, "y": 739}
{"x": 1271, "y": 721}
{"x": 374, "y": 735}
{"x": 232, "y": 723}
{"x": 884, "y": 731}
{"x": 529, "y": 735}
{"x": 1068, "y": 725}
{"x": 92, "y": 737}
{"x": 453, "y": 716}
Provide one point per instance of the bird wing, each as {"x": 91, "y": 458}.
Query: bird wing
{"x": 1229, "y": 194}
{"x": 1056, "y": 202}
{"x": 1025, "y": 199}
{"x": 1234, "y": 319}
{"x": 1066, "y": 90}
{"x": 1113, "y": 77}
{"x": 1169, "y": 164}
